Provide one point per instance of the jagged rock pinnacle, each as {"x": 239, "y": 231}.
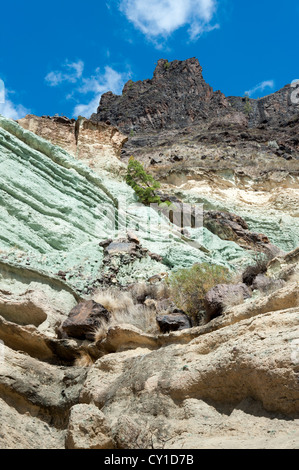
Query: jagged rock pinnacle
{"x": 178, "y": 96}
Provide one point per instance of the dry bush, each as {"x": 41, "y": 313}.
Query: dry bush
{"x": 189, "y": 287}
{"x": 140, "y": 316}
{"x": 259, "y": 267}
{"x": 83, "y": 360}
{"x": 114, "y": 300}
{"x": 101, "y": 331}
{"x": 142, "y": 291}
{"x": 123, "y": 310}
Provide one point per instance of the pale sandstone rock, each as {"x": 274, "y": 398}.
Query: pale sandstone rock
{"x": 123, "y": 337}
{"x": 96, "y": 144}
{"x": 282, "y": 299}
{"x": 41, "y": 388}
{"x": 29, "y": 297}
{"x": 251, "y": 361}
{"x": 88, "y": 429}
{"x": 41, "y": 346}
{"x": 21, "y": 430}
{"x": 34, "y": 401}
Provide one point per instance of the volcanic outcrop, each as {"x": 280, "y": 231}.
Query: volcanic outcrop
{"x": 231, "y": 154}
{"x": 177, "y": 96}
{"x": 94, "y": 352}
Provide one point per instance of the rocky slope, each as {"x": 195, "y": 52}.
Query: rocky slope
{"x": 59, "y": 230}
{"x": 97, "y": 145}
{"x": 208, "y": 148}
{"x": 232, "y": 383}
{"x": 93, "y": 352}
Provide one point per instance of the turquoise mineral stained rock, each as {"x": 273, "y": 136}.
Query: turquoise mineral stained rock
{"x": 55, "y": 210}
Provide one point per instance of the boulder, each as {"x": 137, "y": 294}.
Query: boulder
{"x": 229, "y": 226}
{"x": 175, "y": 321}
{"x": 266, "y": 284}
{"x": 224, "y": 295}
{"x": 84, "y": 319}
{"x": 88, "y": 429}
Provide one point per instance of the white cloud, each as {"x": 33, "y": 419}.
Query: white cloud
{"x": 93, "y": 87}
{"x": 261, "y": 87}
{"x": 7, "y": 107}
{"x": 2, "y": 91}
{"x": 13, "y": 111}
{"x": 110, "y": 80}
{"x": 72, "y": 73}
{"x": 163, "y": 17}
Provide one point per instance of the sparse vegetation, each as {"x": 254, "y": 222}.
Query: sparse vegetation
{"x": 189, "y": 287}
{"x": 166, "y": 65}
{"x": 259, "y": 267}
{"x": 83, "y": 360}
{"x": 114, "y": 300}
{"x": 123, "y": 310}
{"x": 247, "y": 107}
{"x": 144, "y": 185}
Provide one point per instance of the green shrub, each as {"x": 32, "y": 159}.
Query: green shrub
{"x": 247, "y": 107}
{"x": 143, "y": 184}
{"x": 188, "y": 287}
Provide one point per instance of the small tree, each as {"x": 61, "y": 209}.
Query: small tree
{"x": 247, "y": 106}
{"x": 143, "y": 184}
{"x": 189, "y": 286}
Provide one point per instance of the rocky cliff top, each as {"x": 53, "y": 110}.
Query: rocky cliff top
{"x": 178, "y": 96}
{"x": 175, "y": 97}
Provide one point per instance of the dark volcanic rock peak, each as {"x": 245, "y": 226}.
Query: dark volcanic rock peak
{"x": 177, "y": 97}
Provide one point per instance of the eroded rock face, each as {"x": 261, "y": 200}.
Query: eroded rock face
{"x": 29, "y": 297}
{"x": 232, "y": 227}
{"x": 96, "y": 144}
{"x": 175, "y": 97}
{"x": 58, "y": 229}
{"x": 216, "y": 371}
{"x": 123, "y": 251}
{"x": 206, "y": 148}
{"x": 236, "y": 376}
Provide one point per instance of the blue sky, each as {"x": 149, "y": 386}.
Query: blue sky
{"x": 58, "y": 57}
